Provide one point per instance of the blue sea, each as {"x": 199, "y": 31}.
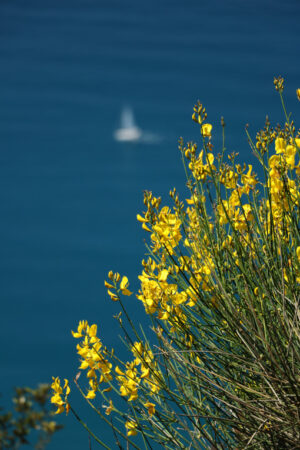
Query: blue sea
{"x": 70, "y": 192}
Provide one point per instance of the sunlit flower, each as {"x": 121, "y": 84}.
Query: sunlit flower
{"x": 60, "y": 395}
{"x": 83, "y": 324}
{"x": 151, "y": 408}
{"x": 124, "y": 285}
{"x": 206, "y": 130}
{"x": 131, "y": 427}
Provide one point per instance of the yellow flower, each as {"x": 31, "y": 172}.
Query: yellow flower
{"x": 163, "y": 275}
{"x": 206, "y": 130}
{"x": 144, "y": 222}
{"x": 248, "y": 179}
{"x": 91, "y": 394}
{"x": 274, "y": 161}
{"x": 141, "y": 218}
{"x": 131, "y": 427}
{"x": 83, "y": 324}
{"x": 166, "y": 231}
{"x": 113, "y": 296}
{"x": 56, "y": 386}
{"x": 290, "y": 154}
{"x": 93, "y": 359}
{"x": 230, "y": 210}
{"x": 150, "y": 407}
{"x": 123, "y": 286}
{"x": 58, "y": 392}
{"x": 229, "y": 179}
{"x": 200, "y": 170}
{"x": 145, "y": 372}
{"x": 137, "y": 351}
{"x": 119, "y": 371}
{"x": 84, "y": 365}
{"x": 111, "y": 288}
{"x": 298, "y": 94}
{"x": 108, "y": 285}
{"x": 154, "y": 386}
{"x": 92, "y": 390}
{"x": 67, "y": 387}
{"x": 128, "y": 381}
{"x": 110, "y": 274}
{"x": 280, "y": 145}
{"x": 92, "y": 330}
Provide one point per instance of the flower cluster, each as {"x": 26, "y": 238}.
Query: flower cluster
{"x": 60, "y": 395}
{"x": 141, "y": 373}
{"x": 116, "y": 285}
{"x": 92, "y": 357}
{"x": 284, "y": 194}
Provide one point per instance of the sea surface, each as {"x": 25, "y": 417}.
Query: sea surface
{"x": 70, "y": 193}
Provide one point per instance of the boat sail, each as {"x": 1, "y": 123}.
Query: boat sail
{"x": 129, "y": 131}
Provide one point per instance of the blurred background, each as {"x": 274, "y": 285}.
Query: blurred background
{"x": 70, "y": 191}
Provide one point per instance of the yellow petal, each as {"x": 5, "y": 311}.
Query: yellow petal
{"x": 107, "y": 389}
{"x": 274, "y": 161}
{"x": 76, "y": 335}
{"x": 56, "y": 399}
{"x": 140, "y": 218}
{"x": 210, "y": 158}
{"x": 91, "y": 395}
{"x": 151, "y": 408}
{"x": 67, "y": 387}
{"x": 124, "y": 283}
{"x": 59, "y": 410}
{"x": 126, "y": 292}
{"x": 144, "y": 226}
{"x": 119, "y": 371}
{"x": 92, "y": 330}
{"x": 110, "y": 274}
{"x": 206, "y": 130}
{"x": 280, "y": 145}
{"x": 163, "y": 275}
{"x": 113, "y": 296}
{"x": 145, "y": 372}
{"x": 84, "y": 365}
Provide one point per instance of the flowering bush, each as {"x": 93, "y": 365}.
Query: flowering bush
{"x": 221, "y": 287}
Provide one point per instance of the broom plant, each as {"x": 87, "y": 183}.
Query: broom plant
{"x": 220, "y": 284}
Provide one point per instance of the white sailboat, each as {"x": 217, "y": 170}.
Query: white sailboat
{"x": 129, "y": 131}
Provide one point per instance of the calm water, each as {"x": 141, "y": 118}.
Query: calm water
{"x": 69, "y": 192}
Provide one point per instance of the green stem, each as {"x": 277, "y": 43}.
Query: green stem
{"x": 88, "y": 429}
